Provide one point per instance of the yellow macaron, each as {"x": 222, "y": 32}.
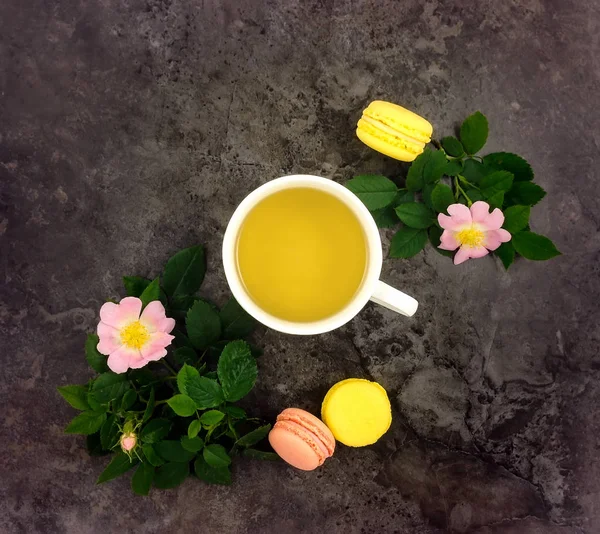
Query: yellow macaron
{"x": 393, "y": 130}
{"x": 357, "y": 412}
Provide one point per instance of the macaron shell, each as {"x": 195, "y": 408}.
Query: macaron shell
{"x": 293, "y": 449}
{"x": 357, "y": 411}
{"x": 312, "y": 424}
{"x": 384, "y": 144}
{"x": 401, "y": 118}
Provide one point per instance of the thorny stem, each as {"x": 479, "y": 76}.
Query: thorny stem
{"x": 460, "y": 190}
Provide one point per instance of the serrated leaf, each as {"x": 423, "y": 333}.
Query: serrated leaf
{"x": 203, "y": 325}
{"x": 155, "y": 430}
{"x": 212, "y": 475}
{"x": 474, "y": 195}
{"x": 128, "y": 400}
{"x": 474, "y": 171}
{"x": 407, "y": 242}
{"x": 135, "y": 285}
{"x": 149, "y": 407}
{"x": 534, "y": 246}
{"x": 516, "y": 218}
{"x": 173, "y": 451}
{"x": 453, "y": 146}
{"x": 216, "y": 455}
{"x": 120, "y": 464}
{"x": 152, "y": 292}
{"x": 235, "y": 411}
{"x": 442, "y": 197}
{"x": 194, "y": 428}
{"x": 524, "y": 194}
{"x": 141, "y": 482}
{"x": 385, "y": 217}
{"x": 95, "y": 360}
{"x": 506, "y": 161}
{"x": 182, "y": 405}
{"x": 474, "y": 132}
{"x": 151, "y": 455}
{"x": 435, "y": 235}
{"x": 434, "y": 167}
{"x": 76, "y": 396}
{"x": 205, "y": 392}
{"x": 95, "y": 405}
{"x": 426, "y": 195}
{"x": 415, "y": 215}
{"x": 235, "y": 321}
{"x": 496, "y": 182}
{"x": 185, "y": 355}
{"x": 404, "y": 196}
{"x": 194, "y": 444}
{"x": 109, "y": 386}
{"x": 453, "y": 168}
{"x": 414, "y": 178}
{"x": 109, "y": 433}
{"x": 496, "y": 200}
{"x": 171, "y": 475}
{"x": 211, "y": 418}
{"x": 86, "y": 423}
{"x": 374, "y": 191}
{"x": 185, "y": 375}
{"x": 261, "y": 455}
{"x": 506, "y": 253}
{"x": 237, "y": 370}
{"x": 252, "y": 438}
{"x": 93, "y": 445}
{"x": 184, "y": 272}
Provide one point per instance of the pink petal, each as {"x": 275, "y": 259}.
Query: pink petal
{"x": 154, "y": 318}
{"x": 478, "y": 252}
{"x": 494, "y": 238}
{"x": 461, "y": 256}
{"x": 460, "y": 212}
{"x": 480, "y": 210}
{"x": 120, "y": 360}
{"x": 156, "y": 344}
{"x": 118, "y": 315}
{"x": 448, "y": 241}
{"x": 451, "y": 223}
{"x": 109, "y": 339}
{"x": 493, "y": 220}
{"x": 156, "y": 355}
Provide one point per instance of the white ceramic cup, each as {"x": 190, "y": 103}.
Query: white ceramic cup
{"x": 371, "y": 289}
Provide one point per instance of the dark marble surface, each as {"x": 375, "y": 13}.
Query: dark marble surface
{"x": 132, "y": 128}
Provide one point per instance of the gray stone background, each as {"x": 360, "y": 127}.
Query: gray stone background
{"x": 132, "y": 128}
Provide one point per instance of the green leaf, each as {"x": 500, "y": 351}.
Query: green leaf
{"x": 441, "y": 197}
{"x": 453, "y": 146}
{"x": 76, "y": 396}
{"x": 173, "y": 451}
{"x": 171, "y": 475}
{"x": 375, "y": 191}
{"x": 435, "y": 235}
{"x": 434, "y": 166}
{"x": 185, "y": 355}
{"x": 155, "y": 430}
{"x": 506, "y": 161}
{"x": 414, "y": 178}
{"x": 151, "y": 455}
{"x": 194, "y": 428}
{"x": 234, "y": 411}
{"x": 211, "y": 418}
{"x": 404, "y": 196}
{"x": 516, "y": 218}
{"x": 205, "y": 392}
{"x": 261, "y": 455}
{"x": 95, "y": 360}
{"x": 185, "y": 375}
{"x": 235, "y": 321}
{"x": 534, "y": 246}
{"x": 252, "y": 438}
{"x": 141, "y": 482}
{"x": 182, "y": 405}
{"x": 524, "y": 194}
{"x": 152, "y": 292}
{"x": 128, "y": 400}
{"x": 184, "y": 272}
{"x": 453, "y": 168}
{"x": 385, "y": 217}
{"x": 474, "y": 132}
{"x": 212, "y": 475}
{"x": 192, "y": 444}
{"x": 474, "y": 171}
{"x": 142, "y": 377}
{"x": 426, "y": 195}
{"x": 95, "y": 405}
{"x": 506, "y": 253}
{"x": 415, "y": 215}
{"x": 93, "y": 445}
{"x": 109, "y": 386}
{"x": 496, "y": 182}
{"x": 120, "y": 464}
{"x": 86, "y": 423}
{"x": 496, "y": 200}
{"x": 109, "y": 433}
{"x": 237, "y": 370}
{"x": 179, "y": 306}
{"x": 203, "y": 325}
{"x": 474, "y": 195}
{"x": 407, "y": 242}
{"x": 149, "y": 407}
{"x": 216, "y": 455}
{"x": 135, "y": 285}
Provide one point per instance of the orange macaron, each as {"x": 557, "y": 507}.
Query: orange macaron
{"x": 301, "y": 439}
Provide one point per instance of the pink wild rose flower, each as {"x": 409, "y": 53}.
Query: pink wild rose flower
{"x": 473, "y": 231}
{"x": 131, "y": 340}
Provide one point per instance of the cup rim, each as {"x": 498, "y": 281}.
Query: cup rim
{"x": 375, "y": 258}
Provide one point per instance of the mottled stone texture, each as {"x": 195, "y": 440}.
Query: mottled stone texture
{"x": 132, "y": 128}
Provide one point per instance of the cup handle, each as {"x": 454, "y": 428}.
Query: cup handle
{"x": 394, "y": 300}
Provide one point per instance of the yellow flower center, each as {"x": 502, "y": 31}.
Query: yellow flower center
{"x": 135, "y": 335}
{"x": 471, "y": 237}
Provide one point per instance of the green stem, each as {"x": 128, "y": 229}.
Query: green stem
{"x": 466, "y": 182}
{"x": 460, "y": 190}
{"x": 160, "y": 402}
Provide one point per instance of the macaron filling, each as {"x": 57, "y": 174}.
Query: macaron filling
{"x": 411, "y": 144}
{"x": 327, "y": 442}
{"x": 311, "y": 439}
